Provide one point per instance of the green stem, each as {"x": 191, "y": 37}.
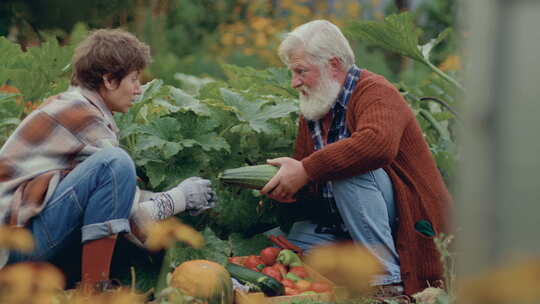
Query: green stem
{"x": 443, "y": 103}
{"x": 445, "y": 76}
{"x": 442, "y": 132}
{"x": 165, "y": 269}
{"x": 131, "y": 142}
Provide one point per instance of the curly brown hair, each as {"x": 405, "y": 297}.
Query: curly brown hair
{"x": 107, "y": 51}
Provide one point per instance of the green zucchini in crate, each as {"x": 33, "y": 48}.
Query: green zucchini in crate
{"x": 253, "y": 177}
{"x": 270, "y": 286}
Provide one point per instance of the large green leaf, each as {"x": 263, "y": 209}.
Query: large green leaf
{"x": 40, "y": 71}
{"x": 10, "y": 51}
{"x": 426, "y": 48}
{"x": 186, "y": 102}
{"x": 255, "y": 113}
{"x": 192, "y": 84}
{"x": 212, "y": 141}
{"x": 150, "y": 89}
{"x": 273, "y": 81}
{"x": 202, "y": 130}
{"x": 397, "y": 33}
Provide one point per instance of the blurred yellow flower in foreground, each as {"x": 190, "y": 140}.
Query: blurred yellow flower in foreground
{"x": 451, "y": 63}
{"x": 516, "y": 283}
{"x": 30, "y": 282}
{"x": 347, "y": 265}
{"x": 117, "y": 296}
{"x": 16, "y": 238}
{"x": 165, "y": 233}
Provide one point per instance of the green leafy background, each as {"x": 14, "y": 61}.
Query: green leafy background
{"x": 204, "y": 126}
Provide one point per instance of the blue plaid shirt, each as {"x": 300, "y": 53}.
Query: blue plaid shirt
{"x": 338, "y": 129}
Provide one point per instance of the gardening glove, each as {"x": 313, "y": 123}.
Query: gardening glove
{"x": 198, "y": 195}
{"x": 193, "y": 194}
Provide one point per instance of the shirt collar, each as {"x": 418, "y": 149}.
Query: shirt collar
{"x": 94, "y": 98}
{"x": 348, "y": 85}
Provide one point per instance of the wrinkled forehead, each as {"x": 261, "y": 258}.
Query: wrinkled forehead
{"x": 299, "y": 58}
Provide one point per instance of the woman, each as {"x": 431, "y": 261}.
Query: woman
{"x": 63, "y": 175}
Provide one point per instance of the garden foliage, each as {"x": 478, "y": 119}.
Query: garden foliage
{"x": 205, "y": 126}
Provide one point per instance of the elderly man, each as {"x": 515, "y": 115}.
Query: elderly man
{"x": 361, "y": 146}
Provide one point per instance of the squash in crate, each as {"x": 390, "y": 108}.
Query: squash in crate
{"x": 205, "y": 280}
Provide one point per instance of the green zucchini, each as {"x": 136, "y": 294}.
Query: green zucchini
{"x": 270, "y": 286}
{"x": 253, "y": 177}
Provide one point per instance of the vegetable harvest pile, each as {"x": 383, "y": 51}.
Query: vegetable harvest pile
{"x": 284, "y": 266}
{"x": 275, "y": 272}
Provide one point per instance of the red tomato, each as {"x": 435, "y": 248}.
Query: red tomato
{"x": 299, "y": 271}
{"x": 236, "y": 260}
{"x": 288, "y": 283}
{"x": 253, "y": 261}
{"x": 272, "y": 272}
{"x": 291, "y": 291}
{"x": 269, "y": 255}
{"x": 281, "y": 268}
{"x": 320, "y": 287}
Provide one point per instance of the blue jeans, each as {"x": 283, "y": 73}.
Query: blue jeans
{"x": 366, "y": 205}
{"x": 93, "y": 201}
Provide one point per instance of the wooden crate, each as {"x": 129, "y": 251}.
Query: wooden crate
{"x": 260, "y": 298}
{"x": 337, "y": 293}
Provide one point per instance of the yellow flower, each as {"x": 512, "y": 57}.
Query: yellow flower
{"x": 260, "y": 23}
{"x": 300, "y": 10}
{"x": 346, "y": 264}
{"x": 16, "y": 238}
{"x": 451, "y": 63}
{"x": 118, "y": 296}
{"x": 286, "y": 4}
{"x": 378, "y": 15}
{"x": 515, "y": 283}
{"x": 240, "y": 40}
{"x": 270, "y": 30}
{"x": 260, "y": 40}
{"x": 164, "y": 234}
{"x": 353, "y": 9}
{"x": 227, "y": 39}
{"x": 30, "y": 282}
{"x": 248, "y": 51}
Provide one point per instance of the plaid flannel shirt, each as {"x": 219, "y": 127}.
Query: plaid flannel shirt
{"x": 338, "y": 129}
{"x": 52, "y": 140}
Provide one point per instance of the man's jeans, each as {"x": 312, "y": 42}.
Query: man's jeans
{"x": 366, "y": 205}
{"x": 93, "y": 201}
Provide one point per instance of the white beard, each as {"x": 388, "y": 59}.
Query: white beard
{"x": 320, "y": 99}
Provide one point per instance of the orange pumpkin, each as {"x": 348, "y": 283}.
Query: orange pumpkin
{"x": 205, "y": 280}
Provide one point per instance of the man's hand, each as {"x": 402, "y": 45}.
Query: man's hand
{"x": 289, "y": 179}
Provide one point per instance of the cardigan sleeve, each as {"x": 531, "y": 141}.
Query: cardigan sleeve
{"x": 379, "y": 122}
{"x": 302, "y": 139}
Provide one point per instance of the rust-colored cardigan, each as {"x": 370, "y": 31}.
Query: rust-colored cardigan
{"x": 385, "y": 133}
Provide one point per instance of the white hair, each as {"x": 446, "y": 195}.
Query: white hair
{"x": 321, "y": 40}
